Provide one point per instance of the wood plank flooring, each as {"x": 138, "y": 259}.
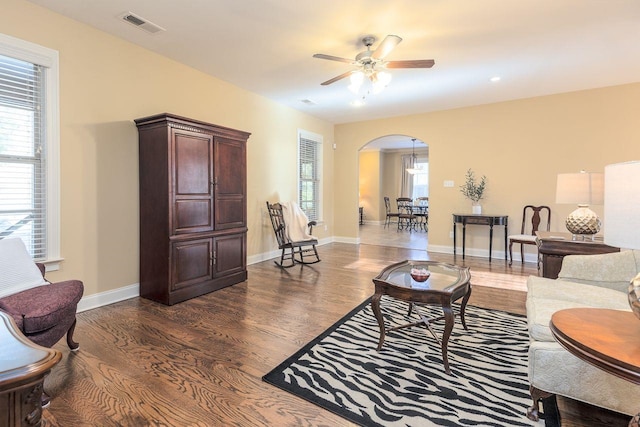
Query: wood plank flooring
{"x": 200, "y": 363}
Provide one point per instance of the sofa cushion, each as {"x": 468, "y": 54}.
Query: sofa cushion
{"x": 613, "y": 270}
{"x": 546, "y": 296}
{"x": 45, "y": 306}
{"x": 19, "y": 272}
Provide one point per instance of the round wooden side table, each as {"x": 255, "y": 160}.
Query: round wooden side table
{"x": 608, "y": 339}
{"x": 23, "y": 366}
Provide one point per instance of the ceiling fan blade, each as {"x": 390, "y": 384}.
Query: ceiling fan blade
{"x": 333, "y": 58}
{"x": 417, "y": 63}
{"x": 335, "y": 79}
{"x": 386, "y": 47}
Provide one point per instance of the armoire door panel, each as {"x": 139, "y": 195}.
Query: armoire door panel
{"x": 191, "y": 262}
{"x": 230, "y": 167}
{"x": 229, "y": 254}
{"x": 230, "y": 213}
{"x": 231, "y": 184}
{"x": 192, "y": 182}
{"x": 192, "y": 216}
{"x": 192, "y": 163}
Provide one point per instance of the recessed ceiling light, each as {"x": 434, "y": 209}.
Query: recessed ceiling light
{"x": 357, "y": 103}
{"x": 495, "y": 79}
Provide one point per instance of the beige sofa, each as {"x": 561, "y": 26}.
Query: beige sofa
{"x": 584, "y": 281}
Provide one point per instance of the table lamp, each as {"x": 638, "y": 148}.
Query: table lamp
{"x": 622, "y": 215}
{"x": 584, "y": 189}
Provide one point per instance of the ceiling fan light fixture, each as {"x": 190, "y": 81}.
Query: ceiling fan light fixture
{"x": 372, "y": 64}
{"x": 380, "y": 80}
{"x": 357, "y": 77}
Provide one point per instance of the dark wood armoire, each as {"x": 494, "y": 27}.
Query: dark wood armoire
{"x": 193, "y": 207}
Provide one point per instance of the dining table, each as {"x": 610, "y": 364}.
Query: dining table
{"x": 413, "y": 216}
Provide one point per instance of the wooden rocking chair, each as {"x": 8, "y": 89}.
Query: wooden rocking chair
{"x": 294, "y": 252}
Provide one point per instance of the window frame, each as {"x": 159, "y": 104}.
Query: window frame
{"x": 49, "y": 59}
{"x": 318, "y": 140}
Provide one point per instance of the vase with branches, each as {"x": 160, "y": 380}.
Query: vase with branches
{"x": 473, "y": 190}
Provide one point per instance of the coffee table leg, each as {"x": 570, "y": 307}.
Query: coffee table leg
{"x": 375, "y": 306}
{"x": 463, "y": 306}
{"x": 448, "y": 327}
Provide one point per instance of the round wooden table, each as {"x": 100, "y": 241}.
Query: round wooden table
{"x": 608, "y": 339}
{"x": 23, "y": 366}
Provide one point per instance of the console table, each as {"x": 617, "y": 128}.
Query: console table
{"x": 23, "y": 366}
{"x": 553, "y": 246}
{"x": 476, "y": 219}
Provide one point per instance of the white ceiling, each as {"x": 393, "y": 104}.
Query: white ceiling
{"x": 537, "y": 47}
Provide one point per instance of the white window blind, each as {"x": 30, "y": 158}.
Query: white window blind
{"x": 309, "y": 167}
{"x": 22, "y": 154}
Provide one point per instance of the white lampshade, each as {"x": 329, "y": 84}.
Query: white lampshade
{"x": 582, "y": 188}
{"x": 622, "y": 205}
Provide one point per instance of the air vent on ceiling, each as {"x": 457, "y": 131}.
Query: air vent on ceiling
{"x": 307, "y": 101}
{"x": 141, "y": 23}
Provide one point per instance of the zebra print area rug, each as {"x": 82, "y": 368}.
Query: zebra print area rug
{"x": 405, "y": 384}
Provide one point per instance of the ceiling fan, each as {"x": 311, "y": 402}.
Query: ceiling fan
{"x": 372, "y": 64}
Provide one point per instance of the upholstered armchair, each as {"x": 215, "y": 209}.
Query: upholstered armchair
{"x": 43, "y": 311}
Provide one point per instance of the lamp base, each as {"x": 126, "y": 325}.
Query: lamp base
{"x": 583, "y": 221}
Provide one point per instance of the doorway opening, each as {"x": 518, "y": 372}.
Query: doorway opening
{"x": 393, "y": 166}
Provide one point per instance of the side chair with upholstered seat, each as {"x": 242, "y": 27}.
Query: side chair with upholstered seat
{"x": 421, "y": 210}
{"x": 390, "y": 214}
{"x": 406, "y": 217}
{"x": 532, "y": 217}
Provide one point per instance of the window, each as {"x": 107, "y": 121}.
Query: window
{"x": 309, "y": 174}
{"x": 421, "y": 180}
{"x": 29, "y": 149}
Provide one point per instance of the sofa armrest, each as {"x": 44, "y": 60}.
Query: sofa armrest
{"x": 612, "y": 270}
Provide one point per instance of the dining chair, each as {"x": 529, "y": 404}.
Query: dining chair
{"x": 532, "y": 217}
{"x": 390, "y": 215}
{"x": 421, "y": 211}
{"x": 406, "y": 216}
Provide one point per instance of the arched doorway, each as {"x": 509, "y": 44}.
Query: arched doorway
{"x": 382, "y": 165}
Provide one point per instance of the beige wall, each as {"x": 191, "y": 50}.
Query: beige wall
{"x": 369, "y": 194}
{"x": 519, "y": 145}
{"x": 105, "y": 83}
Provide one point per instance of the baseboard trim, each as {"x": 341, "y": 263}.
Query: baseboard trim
{"x": 108, "y": 297}
{"x": 483, "y": 253}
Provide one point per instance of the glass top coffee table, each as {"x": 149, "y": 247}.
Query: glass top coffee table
{"x": 446, "y": 284}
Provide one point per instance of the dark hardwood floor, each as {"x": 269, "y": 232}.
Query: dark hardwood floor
{"x": 200, "y": 362}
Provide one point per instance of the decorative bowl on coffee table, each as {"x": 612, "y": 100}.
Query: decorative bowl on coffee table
{"x": 420, "y": 274}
